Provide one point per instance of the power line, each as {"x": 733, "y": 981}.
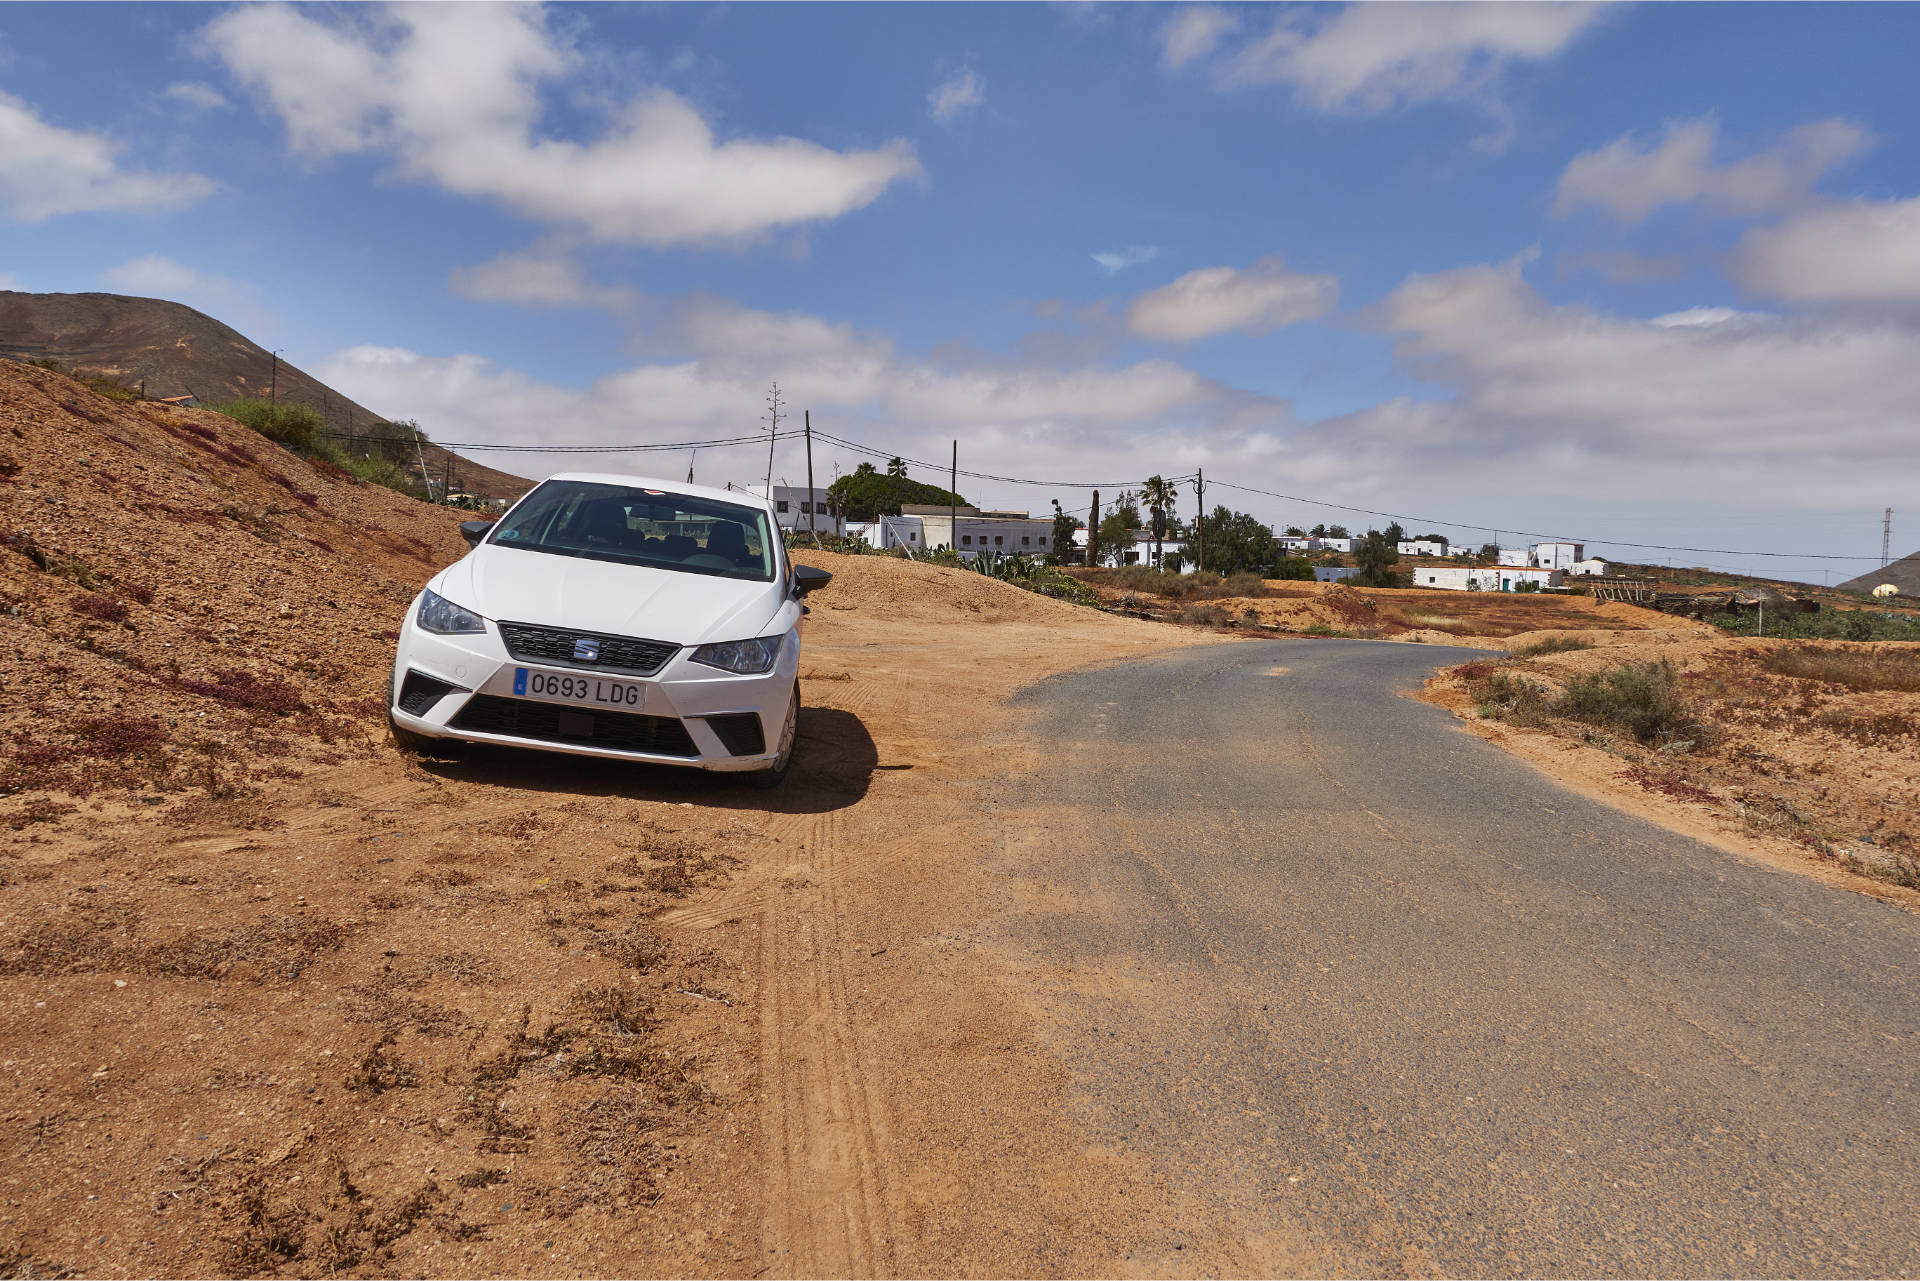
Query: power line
{"x": 997, "y": 478}
{"x": 1598, "y": 542}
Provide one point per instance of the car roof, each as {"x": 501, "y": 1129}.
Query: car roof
{"x": 744, "y": 497}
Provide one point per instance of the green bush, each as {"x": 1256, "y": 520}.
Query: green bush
{"x": 380, "y": 470}
{"x": 288, "y": 422}
{"x": 1827, "y": 624}
{"x": 1293, "y": 569}
{"x": 1642, "y": 699}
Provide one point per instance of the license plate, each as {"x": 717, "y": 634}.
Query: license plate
{"x": 583, "y": 691}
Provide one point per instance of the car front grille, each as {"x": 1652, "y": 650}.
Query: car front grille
{"x": 554, "y": 645}
{"x": 555, "y": 723}
{"x": 739, "y": 733}
{"x": 419, "y": 692}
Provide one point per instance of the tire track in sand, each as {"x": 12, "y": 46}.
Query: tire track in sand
{"x": 828, "y": 1210}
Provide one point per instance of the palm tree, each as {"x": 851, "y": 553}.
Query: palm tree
{"x": 1159, "y": 495}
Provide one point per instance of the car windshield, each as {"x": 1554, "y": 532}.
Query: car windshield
{"x": 635, "y": 526}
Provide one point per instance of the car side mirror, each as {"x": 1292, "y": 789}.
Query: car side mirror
{"x": 806, "y": 578}
{"x": 474, "y": 530}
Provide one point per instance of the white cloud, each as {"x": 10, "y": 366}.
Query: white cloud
{"x": 1194, "y": 31}
{"x": 1371, "y": 59}
{"x": 452, "y": 93}
{"x": 1115, "y": 261}
{"x": 46, "y": 171}
{"x": 1791, "y": 411}
{"x": 1701, "y": 317}
{"x": 157, "y": 277}
{"x": 230, "y": 301}
{"x": 1862, "y": 252}
{"x": 718, "y": 357}
{"x": 956, "y": 96}
{"x": 197, "y": 97}
{"x": 542, "y": 276}
{"x": 1213, "y": 300}
{"x": 1630, "y": 181}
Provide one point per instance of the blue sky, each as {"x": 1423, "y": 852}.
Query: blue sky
{"x": 1644, "y": 273}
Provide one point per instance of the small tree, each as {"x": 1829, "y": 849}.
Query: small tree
{"x": 1319, "y": 531}
{"x": 1376, "y": 558}
{"x": 1490, "y": 552}
{"x": 1338, "y": 531}
{"x": 1063, "y": 527}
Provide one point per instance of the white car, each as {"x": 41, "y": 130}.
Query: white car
{"x": 613, "y": 616}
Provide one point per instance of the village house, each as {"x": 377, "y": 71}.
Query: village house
{"x": 805, "y": 510}
{"x": 981, "y": 531}
{"x": 1424, "y": 547}
{"x": 1485, "y": 578}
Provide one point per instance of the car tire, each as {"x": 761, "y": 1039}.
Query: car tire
{"x": 776, "y": 773}
{"x": 411, "y": 743}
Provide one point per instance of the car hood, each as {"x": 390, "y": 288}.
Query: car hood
{"x": 512, "y": 585}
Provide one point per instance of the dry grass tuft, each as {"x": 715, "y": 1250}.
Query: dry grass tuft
{"x": 1857, "y": 669}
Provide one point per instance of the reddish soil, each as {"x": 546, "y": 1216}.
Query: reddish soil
{"x": 275, "y": 998}
{"x": 1810, "y": 774}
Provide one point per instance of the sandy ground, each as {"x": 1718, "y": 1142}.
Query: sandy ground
{"x": 1482, "y": 620}
{"x": 1804, "y": 775}
{"x": 277, "y": 999}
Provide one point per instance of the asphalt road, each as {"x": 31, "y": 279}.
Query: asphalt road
{"x": 1346, "y": 982}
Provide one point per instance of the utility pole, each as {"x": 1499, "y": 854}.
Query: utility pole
{"x": 773, "y": 432}
{"x": 446, "y": 478}
{"x": 690, "y": 457}
{"x": 812, "y": 506}
{"x": 1886, "y": 538}
{"x": 1200, "y": 525}
{"x": 1093, "y": 530}
{"x": 273, "y": 380}
{"x": 953, "y": 501}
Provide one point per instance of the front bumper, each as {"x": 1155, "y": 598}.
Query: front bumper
{"x": 487, "y": 705}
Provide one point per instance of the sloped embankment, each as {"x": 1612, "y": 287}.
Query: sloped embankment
{"x": 187, "y": 608}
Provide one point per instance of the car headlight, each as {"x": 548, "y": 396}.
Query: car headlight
{"x": 442, "y": 617}
{"x": 742, "y": 658}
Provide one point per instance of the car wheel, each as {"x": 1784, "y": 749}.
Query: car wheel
{"x": 411, "y": 743}
{"x": 776, "y": 773}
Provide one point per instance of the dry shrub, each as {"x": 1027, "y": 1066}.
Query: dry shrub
{"x": 104, "y": 608}
{"x": 244, "y": 689}
{"x": 1858, "y": 670}
{"x": 1505, "y": 697}
{"x": 1869, "y": 729}
{"x": 118, "y": 735}
{"x": 1553, "y": 645}
{"x": 1203, "y": 615}
{"x": 1642, "y": 699}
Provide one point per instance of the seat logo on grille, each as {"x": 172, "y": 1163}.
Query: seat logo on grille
{"x": 586, "y": 649}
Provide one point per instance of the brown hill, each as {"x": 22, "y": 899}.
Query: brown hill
{"x": 186, "y": 606}
{"x": 1903, "y": 574}
{"x": 169, "y": 349}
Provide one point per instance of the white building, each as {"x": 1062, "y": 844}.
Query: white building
{"x": 1140, "y": 551}
{"x": 1297, "y": 543}
{"x": 1557, "y": 555}
{"x": 1595, "y": 567}
{"x": 1520, "y": 557}
{"x": 889, "y": 532}
{"x": 1485, "y": 578}
{"x": 1334, "y": 544}
{"x": 799, "y": 508}
{"x": 1423, "y": 547}
{"x": 1009, "y": 532}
